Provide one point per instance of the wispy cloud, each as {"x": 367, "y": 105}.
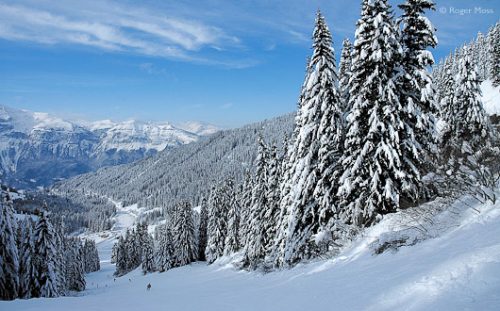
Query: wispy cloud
{"x": 226, "y": 106}
{"x": 114, "y": 28}
{"x": 217, "y": 32}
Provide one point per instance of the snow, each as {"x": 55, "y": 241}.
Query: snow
{"x": 491, "y": 97}
{"x": 199, "y": 128}
{"x": 454, "y": 266}
{"x": 27, "y": 135}
{"x": 134, "y": 135}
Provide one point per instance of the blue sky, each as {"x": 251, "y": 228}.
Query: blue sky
{"x": 223, "y": 62}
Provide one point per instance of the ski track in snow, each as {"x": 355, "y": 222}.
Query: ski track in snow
{"x": 459, "y": 270}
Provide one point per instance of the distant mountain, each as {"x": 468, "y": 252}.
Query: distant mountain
{"x": 37, "y": 149}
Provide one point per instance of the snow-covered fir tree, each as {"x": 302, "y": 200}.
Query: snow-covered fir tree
{"x": 114, "y": 253}
{"x": 270, "y": 221}
{"x": 416, "y": 95}
{"x": 232, "y": 242}
{"x": 202, "y": 230}
{"x": 148, "y": 256}
{"x": 472, "y": 123}
{"x": 62, "y": 262}
{"x": 345, "y": 73}
{"x": 75, "y": 276}
{"x": 27, "y": 273}
{"x": 9, "y": 256}
{"x": 494, "y": 54}
{"x": 309, "y": 186}
{"x": 133, "y": 250}
{"x": 255, "y": 242}
{"x": 480, "y": 56}
{"x": 184, "y": 242}
{"x": 217, "y": 225}
{"x": 121, "y": 257}
{"x": 165, "y": 252}
{"x": 91, "y": 256}
{"x": 447, "y": 105}
{"x": 129, "y": 249}
{"x": 373, "y": 174}
{"x": 45, "y": 257}
{"x": 245, "y": 203}
{"x": 466, "y": 144}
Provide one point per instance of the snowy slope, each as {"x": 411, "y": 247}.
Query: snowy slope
{"x": 457, "y": 267}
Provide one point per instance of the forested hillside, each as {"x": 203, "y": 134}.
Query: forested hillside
{"x": 187, "y": 172}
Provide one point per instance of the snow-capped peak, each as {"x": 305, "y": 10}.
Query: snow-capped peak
{"x": 27, "y": 138}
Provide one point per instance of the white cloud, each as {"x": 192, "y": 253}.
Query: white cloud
{"x": 111, "y": 27}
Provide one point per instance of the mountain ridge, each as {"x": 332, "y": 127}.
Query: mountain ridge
{"x": 37, "y": 148}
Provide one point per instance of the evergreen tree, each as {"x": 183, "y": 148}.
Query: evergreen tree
{"x": 232, "y": 240}
{"x": 372, "y": 177}
{"x": 255, "y": 251}
{"x": 75, "y": 265}
{"x": 165, "y": 254}
{"x": 494, "y": 54}
{"x": 202, "y": 230}
{"x": 27, "y": 273}
{"x": 345, "y": 74}
{"x": 148, "y": 258}
{"x": 270, "y": 221}
{"x": 61, "y": 260}
{"x": 114, "y": 253}
{"x": 121, "y": 257}
{"x": 245, "y": 203}
{"x": 141, "y": 236}
{"x": 217, "y": 225}
{"x": 91, "y": 256}
{"x": 472, "y": 123}
{"x": 416, "y": 95}
{"x": 466, "y": 144}
{"x": 9, "y": 257}
{"x": 481, "y": 56}
{"x": 133, "y": 250}
{"x": 447, "y": 106}
{"x": 184, "y": 241}
{"x": 317, "y": 136}
{"x": 45, "y": 257}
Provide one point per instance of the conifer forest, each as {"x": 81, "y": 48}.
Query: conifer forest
{"x": 378, "y": 192}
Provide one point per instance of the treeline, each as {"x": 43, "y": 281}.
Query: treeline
{"x": 176, "y": 244}
{"x": 37, "y": 259}
{"x": 483, "y": 52}
{"x": 80, "y": 211}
